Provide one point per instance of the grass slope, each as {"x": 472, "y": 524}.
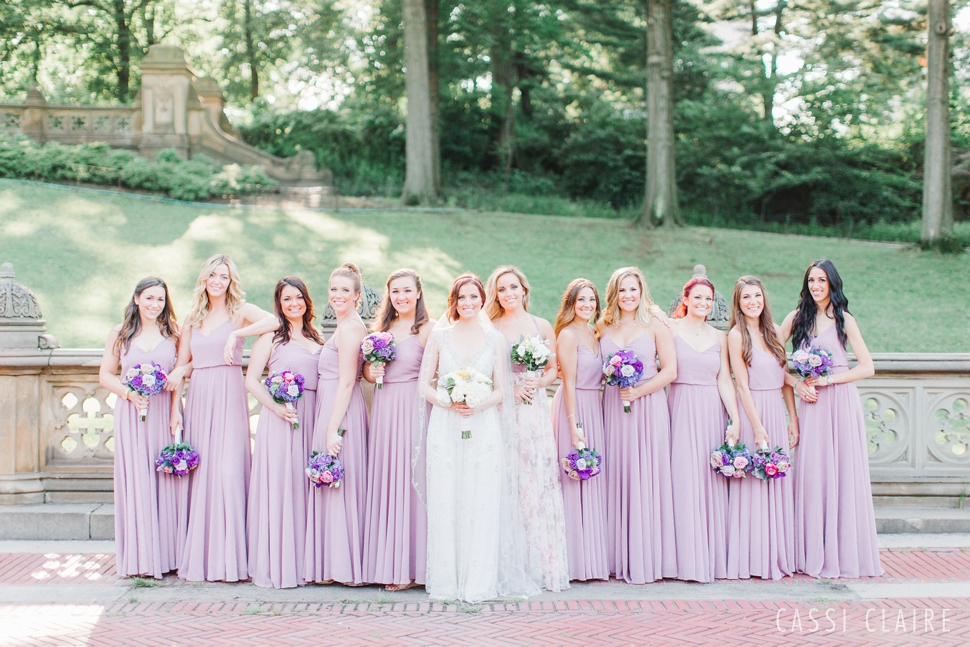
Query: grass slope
{"x": 81, "y": 253}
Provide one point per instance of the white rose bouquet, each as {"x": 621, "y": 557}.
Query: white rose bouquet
{"x": 531, "y": 352}
{"x": 467, "y": 386}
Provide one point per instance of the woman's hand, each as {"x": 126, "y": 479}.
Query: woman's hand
{"x": 463, "y": 409}
{"x": 761, "y": 437}
{"x": 334, "y": 442}
{"x": 377, "y": 370}
{"x": 733, "y": 434}
{"x": 816, "y": 382}
{"x": 229, "y": 352}
{"x": 793, "y": 433}
{"x": 523, "y": 393}
{"x": 175, "y": 422}
{"x": 630, "y": 393}
{"x": 577, "y": 437}
{"x": 806, "y": 391}
{"x": 286, "y": 414}
{"x": 174, "y": 381}
{"x": 137, "y": 399}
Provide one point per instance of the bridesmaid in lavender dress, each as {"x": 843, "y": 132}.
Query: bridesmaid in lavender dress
{"x": 335, "y": 516}
{"x": 217, "y": 422}
{"x": 761, "y": 522}
{"x": 702, "y": 402}
{"x": 150, "y": 507}
{"x": 396, "y": 524}
{"x": 835, "y": 528}
{"x": 279, "y": 487}
{"x": 640, "y": 504}
{"x": 540, "y": 494}
{"x": 577, "y": 413}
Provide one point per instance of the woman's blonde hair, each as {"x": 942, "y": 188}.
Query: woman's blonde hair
{"x": 492, "y": 307}
{"x": 235, "y": 297}
{"x": 611, "y": 313}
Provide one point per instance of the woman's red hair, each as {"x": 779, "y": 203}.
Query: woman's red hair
{"x": 681, "y": 310}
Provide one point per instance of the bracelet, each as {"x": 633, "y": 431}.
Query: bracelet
{"x": 126, "y": 394}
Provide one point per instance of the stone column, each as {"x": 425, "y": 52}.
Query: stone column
{"x": 166, "y": 92}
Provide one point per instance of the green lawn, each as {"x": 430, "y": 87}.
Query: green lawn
{"x": 81, "y": 253}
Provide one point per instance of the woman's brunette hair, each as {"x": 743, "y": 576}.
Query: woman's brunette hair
{"x": 458, "y": 284}
{"x": 492, "y": 307}
{"x": 235, "y": 297}
{"x": 132, "y": 323}
{"x": 804, "y": 323}
{"x": 282, "y": 335}
{"x": 681, "y": 310}
{"x": 611, "y": 313}
{"x": 386, "y": 314}
{"x": 567, "y": 309}
{"x": 765, "y": 323}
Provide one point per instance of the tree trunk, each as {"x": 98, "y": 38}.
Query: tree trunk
{"x": 937, "y": 179}
{"x": 149, "y": 16}
{"x": 419, "y": 179}
{"x": 771, "y": 82}
{"x": 124, "y": 49}
{"x": 434, "y": 83}
{"x": 250, "y": 49}
{"x": 660, "y": 205}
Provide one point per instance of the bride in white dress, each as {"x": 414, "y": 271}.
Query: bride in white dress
{"x": 475, "y": 536}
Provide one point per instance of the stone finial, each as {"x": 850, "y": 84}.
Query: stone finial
{"x": 720, "y": 313}
{"x": 700, "y": 270}
{"x": 21, "y": 325}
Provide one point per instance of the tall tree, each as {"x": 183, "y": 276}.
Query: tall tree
{"x": 660, "y": 206}
{"x": 937, "y": 178}
{"x": 420, "y": 184}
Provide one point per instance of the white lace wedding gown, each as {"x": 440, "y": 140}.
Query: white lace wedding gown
{"x": 475, "y": 537}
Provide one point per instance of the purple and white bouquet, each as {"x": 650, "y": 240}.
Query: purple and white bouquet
{"x": 812, "y": 362}
{"x": 624, "y": 370}
{"x": 147, "y": 380}
{"x": 179, "y": 459}
{"x": 731, "y": 461}
{"x": 770, "y": 464}
{"x": 324, "y": 469}
{"x": 467, "y": 386}
{"x": 286, "y": 388}
{"x": 533, "y": 353}
{"x": 582, "y": 464}
{"x": 378, "y": 348}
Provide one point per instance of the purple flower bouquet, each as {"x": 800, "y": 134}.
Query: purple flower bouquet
{"x": 812, "y": 362}
{"x": 733, "y": 462}
{"x": 178, "y": 458}
{"x": 624, "y": 370}
{"x": 378, "y": 348}
{"x": 286, "y": 388}
{"x": 147, "y": 380}
{"x": 324, "y": 469}
{"x": 770, "y": 464}
{"x": 582, "y": 464}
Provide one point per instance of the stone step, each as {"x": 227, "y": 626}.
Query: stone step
{"x": 60, "y": 521}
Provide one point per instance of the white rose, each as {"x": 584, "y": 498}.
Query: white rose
{"x": 293, "y": 390}
{"x": 148, "y": 381}
{"x": 627, "y": 371}
{"x": 800, "y": 356}
{"x": 181, "y": 466}
{"x": 728, "y": 470}
{"x": 443, "y": 398}
{"x": 581, "y": 464}
{"x": 609, "y": 370}
{"x": 276, "y": 379}
{"x": 815, "y": 360}
{"x": 147, "y": 368}
{"x": 521, "y": 350}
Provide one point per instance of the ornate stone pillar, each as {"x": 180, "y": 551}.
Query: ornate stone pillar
{"x": 166, "y": 92}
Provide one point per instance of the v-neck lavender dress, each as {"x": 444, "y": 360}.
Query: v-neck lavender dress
{"x": 335, "y": 516}
{"x": 151, "y": 508}
{"x": 217, "y": 426}
{"x": 697, "y": 424}
{"x": 279, "y": 486}
{"x": 584, "y": 502}
{"x": 761, "y": 540}
{"x": 396, "y": 522}
{"x": 639, "y": 502}
{"x": 835, "y": 528}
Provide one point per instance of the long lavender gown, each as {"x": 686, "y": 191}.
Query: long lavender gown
{"x": 335, "y": 516}
{"x": 697, "y": 424}
{"x": 396, "y": 522}
{"x": 150, "y": 507}
{"x": 761, "y": 540}
{"x": 639, "y": 502}
{"x": 217, "y": 426}
{"x": 278, "y": 488}
{"x": 835, "y": 528}
{"x": 587, "y": 533}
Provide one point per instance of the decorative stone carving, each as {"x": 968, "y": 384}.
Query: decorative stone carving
{"x": 21, "y": 325}
{"x": 16, "y": 301}
{"x": 887, "y": 425}
{"x": 84, "y": 414}
{"x": 948, "y": 428}
{"x": 370, "y": 301}
{"x": 720, "y": 313}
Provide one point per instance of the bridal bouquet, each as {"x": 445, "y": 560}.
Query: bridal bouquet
{"x": 531, "y": 352}
{"x": 378, "y": 348}
{"x": 178, "y": 458}
{"x": 812, "y": 362}
{"x": 624, "y": 370}
{"x": 467, "y": 386}
{"x": 582, "y": 464}
{"x": 770, "y": 464}
{"x": 731, "y": 461}
{"x": 286, "y": 388}
{"x": 147, "y": 380}
{"x": 324, "y": 469}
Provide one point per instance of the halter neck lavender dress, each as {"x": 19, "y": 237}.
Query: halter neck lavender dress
{"x": 761, "y": 515}
{"x": 150, "y": 507}
{"x": 640, "y": 502}
{"x": 217, "y": 425}
{"x": 279, "y": 486}
{"x": 584, "y": 502}
{"x": 335, "y": 516}
{"x": 396, "y": 522}
{"x": 697, "y": 424}
{"x": 835, "y": 527}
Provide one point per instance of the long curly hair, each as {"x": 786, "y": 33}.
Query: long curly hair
{"x": 803, "y": 326}
{"x": 235, "y": 297}
{"x": 283, "y": 334}
{"x": 567, "y": 309}
{"x": 386, "y": 314}
{"x": 611, "y": 313}
{"x": 765, "y": 323}
{"x": 492, "y": 307}
{"x": 131, "y": 326}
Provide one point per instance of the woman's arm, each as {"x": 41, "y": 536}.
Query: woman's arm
{"x": 549, "y": 373}
{"x": 567, "y": 350}
{"x": 667, "y": 354}
{"x": 865, "y": 367}
{"x": 256, "y": 321}
{"x": 262, "y": 350}
{"x": 789, "y": 394}
{"x": 348, "y": 349}
{"x": 744, "y": 391}
{"x": 804, "y": 390}
{"x": 725, "y": 388}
